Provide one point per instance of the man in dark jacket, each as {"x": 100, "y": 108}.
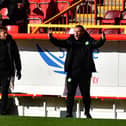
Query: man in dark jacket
{"x": 18, "y": 11}
{"x": 9, "y": 64}
{"x": 79, "y": 65}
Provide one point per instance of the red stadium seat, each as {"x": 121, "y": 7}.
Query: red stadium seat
{"x": 12, "y": 28}
{"x": 43, "y": 7}
{"x": 37, "y": 1}
{"x": 62, "y": 5}
{"x": 123, "y": 21}
{"x": 93, "y": 30}
{"x": 33, "y": 5}
{"x": 47, "y": 7}
{"x": 34, "y": 19}
{"x": 37, "y": 11}
{"x": 111, "y": 31}
{"x": 111, "y": 17}
{"x": 44, "y": 1}
{"x": 100, "y": 2}
{"x": 4, "y": 12}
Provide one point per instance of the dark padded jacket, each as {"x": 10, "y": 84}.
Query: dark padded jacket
{"x": 14, "y": 56}
{"x": 87, "y": 43}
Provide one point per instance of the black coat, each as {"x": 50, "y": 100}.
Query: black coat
{"x": 87, "y": 43}
{"x": 14, "y": 12}
{"x": 14, "y": 56}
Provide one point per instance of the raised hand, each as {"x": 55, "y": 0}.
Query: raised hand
{"x": 49, "y": 33}
{"x": 18, "y": 74}
{"x": 103, "y": 36}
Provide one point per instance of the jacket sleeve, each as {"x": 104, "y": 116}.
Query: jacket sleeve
{"x": 17, "y": 60}
{"x": 97, "y": 43}
{"x": 59, "y": 43}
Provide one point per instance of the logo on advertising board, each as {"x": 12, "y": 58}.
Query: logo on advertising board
{"x": 54, "y": 61}
{"x": 57, "y": 62}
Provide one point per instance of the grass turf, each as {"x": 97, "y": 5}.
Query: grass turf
{"x": 41, "y": 121}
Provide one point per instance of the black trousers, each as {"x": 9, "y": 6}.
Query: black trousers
{"x": 84, "y": 84}
{"x": 4, "y": 84}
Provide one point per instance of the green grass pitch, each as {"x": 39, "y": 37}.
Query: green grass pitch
{"x": 41, "y": 121}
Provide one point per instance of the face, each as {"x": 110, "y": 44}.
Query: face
{"x": 20, "y": 5}
{"x": 78, "y": 33}
{"x": 3, "y": 34}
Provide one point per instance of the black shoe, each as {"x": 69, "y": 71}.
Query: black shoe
{"x": 69, "y": 116}
{"x": 88, "y": 116}
{"x": 3, "y": 113}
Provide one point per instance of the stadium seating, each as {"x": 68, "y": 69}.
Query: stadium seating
{"x": 12, "y": 28}
{"x": 34, "y": 19}
{"x": 123, "y": 19}
{"x": 93, "y": 30}
{"x": 33, "y": 5}
{"x": 4, "y": 12}
{"x": 45, "y": 1}
{"x": 36, "y": 1}
{"x": 49, "y": 10}
{"x": 62, "y": 6}
{"x": 111, "y": 17}
{"x": 36, "y": 15}
{"x": 43, "y": 6}
{"x": 111, "y": 31}
{"x": 39, "y": 12}
{"x": 100, "y": 2}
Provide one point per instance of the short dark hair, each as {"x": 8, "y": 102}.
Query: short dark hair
{"x": 2, "y": 28}
{"x": 80, "y": 26}
{"x": 20, "y": 1}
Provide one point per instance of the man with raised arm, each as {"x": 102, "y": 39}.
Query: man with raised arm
{"x": 79, "y": 65}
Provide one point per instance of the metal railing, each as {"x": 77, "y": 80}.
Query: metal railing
{"x": 70, "y": 26}
{"x": 86, "y": 12}
{"x": 60, "y": 13}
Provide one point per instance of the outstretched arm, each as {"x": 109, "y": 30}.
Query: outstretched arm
{"x": 56, "y": 42}
{"x": 99, "y": 43}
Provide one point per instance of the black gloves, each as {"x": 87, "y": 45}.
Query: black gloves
{"x": 18, "y": 75}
